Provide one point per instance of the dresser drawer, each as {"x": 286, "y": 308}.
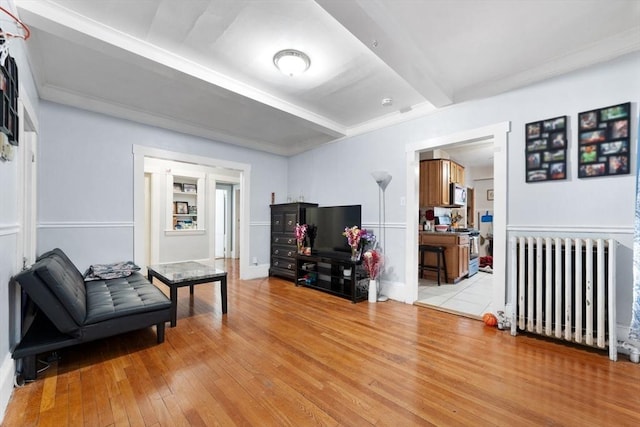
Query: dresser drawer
{"x": 283, "y": 263}
{"x": 284, "y": 251}
{"x": 283, "y": 240}
{"x": 282, "y": 272}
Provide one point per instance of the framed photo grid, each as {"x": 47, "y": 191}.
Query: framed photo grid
{"x": 546, "y": 149}
{"x": 603, "y": 141}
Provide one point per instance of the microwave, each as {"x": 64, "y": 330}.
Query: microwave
{"x": 458, "y": 194}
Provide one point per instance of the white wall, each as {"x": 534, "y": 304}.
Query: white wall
{"x": 86, "y": 182}
{"x": 574, "y": 203}
{"x": 10, "y": 231}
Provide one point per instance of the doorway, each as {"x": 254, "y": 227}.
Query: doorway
{"x": 224, "y": 230}
{"x": 470, "y": 296}
{"x": 497, "y": 133}
{"x": 242, "y": 176}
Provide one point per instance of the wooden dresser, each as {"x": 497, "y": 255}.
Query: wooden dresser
{"x": 284, "y": 218}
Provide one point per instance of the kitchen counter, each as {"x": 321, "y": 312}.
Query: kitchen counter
{"x": 456, "y": 244}
{"x": 465, "y": 233}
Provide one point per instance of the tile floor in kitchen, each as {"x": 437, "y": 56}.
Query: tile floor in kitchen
{"x": 470, "y": 297}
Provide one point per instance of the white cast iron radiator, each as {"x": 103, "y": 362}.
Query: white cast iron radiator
{"x": 565, "y": 289}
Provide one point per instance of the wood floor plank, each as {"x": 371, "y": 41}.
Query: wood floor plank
{"x": 292, "y": 356}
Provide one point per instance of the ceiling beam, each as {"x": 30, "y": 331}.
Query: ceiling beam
{"x": 375, "y": 27}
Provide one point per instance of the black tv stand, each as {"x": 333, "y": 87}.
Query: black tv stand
{"x": 327, "y": 273}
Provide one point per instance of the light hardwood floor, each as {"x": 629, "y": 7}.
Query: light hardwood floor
{"x": 288, "y": 356}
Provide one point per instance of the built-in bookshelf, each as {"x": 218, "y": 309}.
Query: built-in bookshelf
{"x": 186, "y": 203}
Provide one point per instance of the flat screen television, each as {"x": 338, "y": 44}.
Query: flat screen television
{"x": 330, "y": 222}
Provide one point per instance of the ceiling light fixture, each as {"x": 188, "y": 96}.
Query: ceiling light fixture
{"x": 291, "y": 62}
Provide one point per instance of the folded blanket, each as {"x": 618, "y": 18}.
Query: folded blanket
{"x": 110, "y": 271}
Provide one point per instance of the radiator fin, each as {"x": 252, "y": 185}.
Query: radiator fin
{"x": 565, "y": 289}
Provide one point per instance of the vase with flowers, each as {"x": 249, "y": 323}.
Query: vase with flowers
{"x": 353, "y": 235}
{"x": 372, "y": 261}
{"x": 368, "y": 240}
{"x": 312, "y": 232}
{"x": 301, "y": 232}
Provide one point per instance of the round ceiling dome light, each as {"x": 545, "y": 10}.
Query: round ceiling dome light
{"x": 291, "y": 62}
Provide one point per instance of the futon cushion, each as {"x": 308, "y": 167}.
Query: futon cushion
{"x": 107, "y": 299}
{"x": 65, "y": 284}
{"x": 64, "y": 259}
{"x": 40, "y": 292}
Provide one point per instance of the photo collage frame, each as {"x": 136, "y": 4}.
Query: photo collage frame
{"x": 546, "y": 149}
{"x": 603, "y": 141}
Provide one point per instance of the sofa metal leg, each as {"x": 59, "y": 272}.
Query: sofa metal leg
{"x": 160, "y": 332}
{"x": 29, "y": 368}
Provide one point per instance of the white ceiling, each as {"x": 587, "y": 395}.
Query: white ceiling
{"x": 205, "y": 67}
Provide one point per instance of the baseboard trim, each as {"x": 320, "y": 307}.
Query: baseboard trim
{"x": 7, "y": 372}
{"x": 256, "y": 272}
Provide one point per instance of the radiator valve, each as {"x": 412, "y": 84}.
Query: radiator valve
{"x": 634, "y": 352}
{"x": 503, "y": 321}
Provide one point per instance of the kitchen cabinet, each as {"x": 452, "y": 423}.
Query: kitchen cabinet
{"x": 435, "y": 179}
{"x": 456, "y": 253}
{"x": 456, "y": 172}
{"x": 434, "y": 182}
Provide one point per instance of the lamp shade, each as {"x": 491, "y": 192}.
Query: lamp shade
{"x": 382, "y": 178}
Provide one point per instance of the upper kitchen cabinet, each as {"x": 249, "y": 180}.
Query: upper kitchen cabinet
{"x": 435, "y": 179}
{"x": 456, "y": 172}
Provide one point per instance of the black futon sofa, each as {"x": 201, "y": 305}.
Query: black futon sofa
{"x": 71, "y": 311}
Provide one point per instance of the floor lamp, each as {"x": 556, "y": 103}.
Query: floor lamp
{"x": 382, "y": 179}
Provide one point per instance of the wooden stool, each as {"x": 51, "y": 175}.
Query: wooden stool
{"x": 439, "y": 251}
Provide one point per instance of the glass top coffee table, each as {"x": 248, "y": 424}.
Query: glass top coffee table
{"x": 188, "y": 273}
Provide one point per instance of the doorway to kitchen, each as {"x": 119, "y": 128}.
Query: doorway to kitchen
{"x": 471, "y": 295}
{"x": 496, "y": 133}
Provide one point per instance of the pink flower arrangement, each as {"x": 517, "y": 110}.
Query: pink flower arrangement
{"x": 353, "y": 235}
{"x": 372, "y": 261}
{"x": 301, "y": 232}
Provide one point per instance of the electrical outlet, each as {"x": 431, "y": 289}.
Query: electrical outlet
{"x": 403, "y": 201}
{"x": 254, "y": 260}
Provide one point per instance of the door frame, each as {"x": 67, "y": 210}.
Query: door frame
{"x": 140, "y": 152}
{"x": 227, "y": 187}
{"x": 28, "y": 186}
{"x": 498, "y": 133}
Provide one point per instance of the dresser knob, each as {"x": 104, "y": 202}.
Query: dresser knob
{"x": 277, "y": 252}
